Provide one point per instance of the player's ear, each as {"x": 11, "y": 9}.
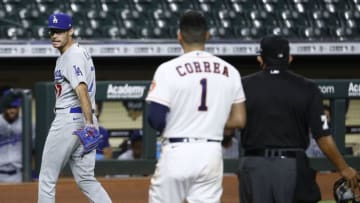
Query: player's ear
{"x": 261, "y": 61}
{"x": 207, "y": 36}
{"x": 179, "y": 37}
{"x": 290, "y": 59}
{"x": 71, "y": 32}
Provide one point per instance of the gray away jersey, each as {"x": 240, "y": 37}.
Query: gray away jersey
{"x": 10, "y": 144}
{"x": 73, "y": 67}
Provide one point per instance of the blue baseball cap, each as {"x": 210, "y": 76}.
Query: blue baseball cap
{"x": 60, "y": 21}
{"x": 15, "y": 103}
{"x": 136, "y": 135}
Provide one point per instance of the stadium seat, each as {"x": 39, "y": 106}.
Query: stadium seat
{"x": 302, "y": 6}
{"x": 144, "y": 19}
{"x": 250, "y": 33}
{"x": 14, "y": 33}
{"x": 272, "y": 6}
{"x": 346, "y": 33}
{"x": 262, "y": 20}
{"x": 39, "y": 32}
{"x": 314, "y": 33}
{"x": 51, "y": 6}
{"x": 335, "y": 5}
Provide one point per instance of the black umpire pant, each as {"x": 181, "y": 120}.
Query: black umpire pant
{"x": 267, "y": 179}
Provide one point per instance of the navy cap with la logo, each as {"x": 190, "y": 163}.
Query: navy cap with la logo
{"x": 60, "y": 21}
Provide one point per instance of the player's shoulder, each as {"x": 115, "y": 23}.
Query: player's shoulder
{"x": 302, "y": 80}
{"x": 164, "y": 66}
{"x": 77, "y": 50}
{"x": 2, "y": 120}
{"x": 252, "y": 76}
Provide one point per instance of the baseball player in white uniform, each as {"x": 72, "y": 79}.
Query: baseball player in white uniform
{"x": 75, "y": 85}
{"x": 192, "y": 99}
{"x": 11, "y": 143}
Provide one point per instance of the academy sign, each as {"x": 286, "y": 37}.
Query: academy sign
{"x": 125, "y": 91}
{"x": 354, "y": 89}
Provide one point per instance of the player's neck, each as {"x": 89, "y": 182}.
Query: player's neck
{"x": 188, "y": 48}
{"x": 67, "y": 46}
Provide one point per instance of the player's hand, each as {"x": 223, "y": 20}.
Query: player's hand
{"x": 352, "y": 177}
{"x": 89, "y": 137}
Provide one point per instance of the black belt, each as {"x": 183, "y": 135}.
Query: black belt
{"x": 8, "y": 172}
{"x": 281, "y": 153}
{"x": 190, "y": 139}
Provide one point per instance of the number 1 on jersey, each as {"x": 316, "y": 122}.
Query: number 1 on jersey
{"x": 203, "y": 83}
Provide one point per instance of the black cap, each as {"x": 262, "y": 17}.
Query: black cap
{"x": 274, "y": 50}
{"x": 135, "y": 135}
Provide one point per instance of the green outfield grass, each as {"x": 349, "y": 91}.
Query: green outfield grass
{"x": 327, "y": 201}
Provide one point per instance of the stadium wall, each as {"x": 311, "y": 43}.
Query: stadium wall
{"x": 24, "y": 72}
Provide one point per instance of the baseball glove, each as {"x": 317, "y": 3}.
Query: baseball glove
{"x": 89, "y": 137}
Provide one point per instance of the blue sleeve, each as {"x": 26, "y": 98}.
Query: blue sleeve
{"x": 157, "y": 116}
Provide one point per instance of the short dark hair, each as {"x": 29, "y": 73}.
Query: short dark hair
{"x": 327, "y": 108}
{"x": 193, "y": 27}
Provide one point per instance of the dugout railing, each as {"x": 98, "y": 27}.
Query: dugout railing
{"x": 336, "y": 91}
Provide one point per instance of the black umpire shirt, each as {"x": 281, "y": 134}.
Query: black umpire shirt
{"x": 282, "y": 108}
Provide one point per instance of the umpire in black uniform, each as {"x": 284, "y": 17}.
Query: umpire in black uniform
{"x": 282, "y": 107}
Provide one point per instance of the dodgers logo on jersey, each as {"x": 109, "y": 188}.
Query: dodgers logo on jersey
{"x": 13, "y": 138}
{"x": 58, "y": 77}
{"x": 77, "y": 70}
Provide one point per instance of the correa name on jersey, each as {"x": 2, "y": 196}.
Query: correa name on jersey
{"x": 125, "y": 91}
{"x": 203, "y": 67}
{"x": 354, "y": 89}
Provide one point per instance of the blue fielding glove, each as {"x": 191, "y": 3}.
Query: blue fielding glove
{"x": 89, "y": 137}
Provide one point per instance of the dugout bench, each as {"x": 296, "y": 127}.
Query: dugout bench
{"x": 336, "y": 91}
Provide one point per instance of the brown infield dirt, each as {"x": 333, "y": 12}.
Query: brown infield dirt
{"x": 129, "y": 190}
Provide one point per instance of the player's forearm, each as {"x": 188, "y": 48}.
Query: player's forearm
{"x": 328, "y": 147}
{"x": 237, "y": 117}
{"x": 85, "y": 102}
{"x": 107, "y": 152}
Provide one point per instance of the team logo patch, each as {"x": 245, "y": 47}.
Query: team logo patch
{"x": 55, "y": 20}
{"x": 58, "y": 76}
{"x": 77, "y": 70}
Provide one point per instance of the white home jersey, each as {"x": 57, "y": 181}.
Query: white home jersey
{"x": 72, "y": 68}
{"x": 199, "y": 89}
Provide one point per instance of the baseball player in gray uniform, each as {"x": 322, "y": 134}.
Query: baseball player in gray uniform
{"x": 75, "y": 86}
{"x": 192, "y": 99}
{"x": 11, "y": 143}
